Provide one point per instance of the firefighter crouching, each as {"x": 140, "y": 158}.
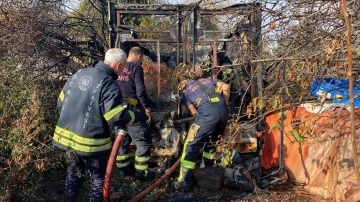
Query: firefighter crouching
{"x": 209, "y": 106}
{"x": 89, "y": 104}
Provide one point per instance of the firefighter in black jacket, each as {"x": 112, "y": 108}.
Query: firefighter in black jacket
{"x": 89, "y": 104}
{"x": 132, "y": 86}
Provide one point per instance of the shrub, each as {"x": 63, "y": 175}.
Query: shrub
{"x": 27, "y": 121}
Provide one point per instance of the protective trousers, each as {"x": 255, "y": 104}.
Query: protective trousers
{"x": 141, "y": 137}
{"x": 210, "y": 122}
{"x": 77, "y": 164}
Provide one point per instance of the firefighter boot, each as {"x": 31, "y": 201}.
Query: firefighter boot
{"x": 208, "y": 158}
{"x": 122, "y": 163}
{"x": 144, "y": 175}
{"x": 185, "y": 180}
{"x": 142, "y": 171}
{"x": 127, "y": 172}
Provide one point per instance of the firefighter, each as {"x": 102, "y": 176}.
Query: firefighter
{"x": 131, "y": 82}
{"x": 209, "y": 106}
{"x": 90, "y": 104}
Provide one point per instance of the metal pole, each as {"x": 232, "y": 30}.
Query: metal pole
{"x": 194, "y": 34}
{"x": 118, "y": 21}
{"x": 118, "y": 24}
{"x": 111, "y": 19}
{"x": 201, "y": 41}
{"x": 252, "y": 69}
{"x": 158, "y": 75}
{"x": 184, "y": 43}
{"x": 215, "y": 59}
{"x": 178, "y": 37}
{"x": 179, "y": 27}
{"x": 259, "y": 52}
{"x": 188, "y": 52}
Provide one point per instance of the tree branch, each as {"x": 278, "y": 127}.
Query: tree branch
{"x": 351, "y": 89}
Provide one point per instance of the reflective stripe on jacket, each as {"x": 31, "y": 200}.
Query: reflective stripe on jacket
{"x": 89, "y": 104}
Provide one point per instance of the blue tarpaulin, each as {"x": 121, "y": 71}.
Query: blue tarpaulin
{"x": 337, "y": 90}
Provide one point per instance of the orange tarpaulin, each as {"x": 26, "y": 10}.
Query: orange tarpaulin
{"x": 323, "y": 162}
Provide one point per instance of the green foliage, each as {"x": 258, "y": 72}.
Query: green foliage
{"x": 86, "y": 23}
{"x": 226, "y": 158}
{"x": 89, "y": 21}
{"x": 154, "y": 23}
{"x": 297, "y": 136}
{"x": 275, "y": 126}
{"x": 27, "y": 114}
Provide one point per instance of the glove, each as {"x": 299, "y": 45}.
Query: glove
{"x": 148, "y": 116}
{"x": 175, "y": 97}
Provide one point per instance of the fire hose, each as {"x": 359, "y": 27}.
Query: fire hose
{"x": 111, "y": 165}
{"x": 110, "y": 169}
{"x": 112, "y": 159}
{"x": 167, "y": 173}
{"x": 156, "y": 184}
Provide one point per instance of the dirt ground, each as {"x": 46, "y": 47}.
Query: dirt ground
{"x": 124, "y": 190}
{"x": 285, "y": 192}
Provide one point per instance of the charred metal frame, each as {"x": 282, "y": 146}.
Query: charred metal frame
{"x": 251, "y": 9}
{"x": 181, "y": 12}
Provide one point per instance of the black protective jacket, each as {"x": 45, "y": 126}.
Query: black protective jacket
{"x": 131, "y": 83}
{"x": 89, "y": 104}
